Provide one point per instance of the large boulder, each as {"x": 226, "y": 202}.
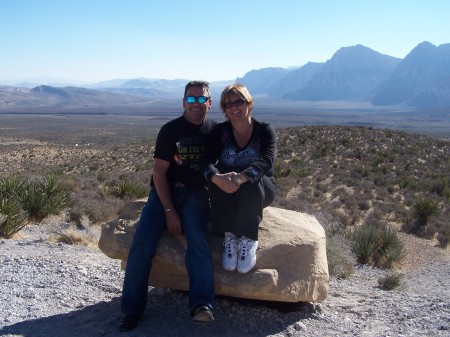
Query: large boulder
{"x": 291, "y": 258}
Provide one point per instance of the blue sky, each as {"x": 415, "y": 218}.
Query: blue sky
{"x": 95, "y": 40}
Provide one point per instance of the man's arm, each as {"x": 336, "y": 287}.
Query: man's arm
{"x": 162, "y": 186}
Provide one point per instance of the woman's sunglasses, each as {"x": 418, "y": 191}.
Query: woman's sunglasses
{"x": 237, "y": 102}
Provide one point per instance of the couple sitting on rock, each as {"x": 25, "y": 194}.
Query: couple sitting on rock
{"x": 234, "y": 161}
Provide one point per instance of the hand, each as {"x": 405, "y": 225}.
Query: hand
{"x": 225, "y": 182}
{"x": 173, "y": 223}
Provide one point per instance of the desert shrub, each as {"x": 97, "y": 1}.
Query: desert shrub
{"x": 34, "y": 201}
{"x": 390, "y": 281}
{"x": 94, "y": 204}
{"x": 377, "y": 245}
{"x": 69, "y": 183}
{"x": 102, "y": 175}
{"x": 298, "y": 168}
{"x": 322, "y": 150}
{"x": 346, "y": 142}
{"x": 12, "y": 218}
{"x": 12, "y": 187}
{"x": 341, "y": 217}
{"x": 422, "y": 210}
{"x": 444, "y": 238}
{"x": 376, "y": 163}
{"x": 350, "y": 182}
{"x": 58, "y": 195}
{"x": 379, "y": 179}
{"x": 93, "y": 166}
{"x": 138, "y": 177}
{"x": 37, "y": 198}
{"x": 142, "y": 167}
{"x": 441, "y": 187}
{"x": 294, "y": 167}
{"x": 44, "y": 196}
{"x": 392, "y": 250}
{"x": 363, "y": 205}
{"x": 72, "y": 236}
{"x": 127, "y": 188}
{"x": 408, "y": 182}
{"x": 281, "y": 171}
{"x": 359, "y": 153}
{"x": 339, "y": 256}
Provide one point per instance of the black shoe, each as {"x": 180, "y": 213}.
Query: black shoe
{"x": 202, "y": 313}
{"x": 129, "y": 322}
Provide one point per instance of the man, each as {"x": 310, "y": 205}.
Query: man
{"x": 178, "y": 202}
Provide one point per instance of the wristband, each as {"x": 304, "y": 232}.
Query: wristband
{"x": 168, "y": 209}
{"x": 238, "y": 179}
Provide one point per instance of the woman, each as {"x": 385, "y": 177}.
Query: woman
{"x": 240, "y": 154}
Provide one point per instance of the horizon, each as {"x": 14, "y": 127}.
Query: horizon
{"x": 85, "y": 42}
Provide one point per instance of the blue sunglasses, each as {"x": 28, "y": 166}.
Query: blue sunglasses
{"x": 193, "y": 99}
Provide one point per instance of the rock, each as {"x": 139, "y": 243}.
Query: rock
{"x": 291, "y": 258}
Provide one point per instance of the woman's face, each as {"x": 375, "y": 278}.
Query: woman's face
{"x": 236, "y": 108}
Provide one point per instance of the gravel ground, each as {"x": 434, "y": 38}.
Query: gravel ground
{"x": 52, "y": 289}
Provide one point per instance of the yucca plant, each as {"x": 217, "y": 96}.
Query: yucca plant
{"x": 364, "y": 242}
{"x": 377, "y": 245}
{"x": 392, "y": 251}
{"x": 44, "y": 196}
{"x": 127, "y": 188}
{"x": 12, "y": 219}
{"x": 12, "y": 187}
{"x": 33, "y": 201}
{"x": 424, "y": 209}
{"x": 281, "y": 171}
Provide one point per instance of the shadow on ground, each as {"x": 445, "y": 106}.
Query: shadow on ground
{"x": 166, "y": 316}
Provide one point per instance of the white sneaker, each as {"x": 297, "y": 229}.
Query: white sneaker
{"x": 247, "y": 255}
{"x": 230, "y": 250}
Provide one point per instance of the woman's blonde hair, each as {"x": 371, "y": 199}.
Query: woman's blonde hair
{"x": 238, "y": 90}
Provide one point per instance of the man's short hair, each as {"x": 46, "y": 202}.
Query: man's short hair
{"x": 201, "y": 84}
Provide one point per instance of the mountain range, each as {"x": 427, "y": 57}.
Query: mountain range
{"x": 420, "y": 80}
{"x": 357, "y": 73}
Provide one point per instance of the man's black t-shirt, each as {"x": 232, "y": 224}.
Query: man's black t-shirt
{"x": 182, "y": 144}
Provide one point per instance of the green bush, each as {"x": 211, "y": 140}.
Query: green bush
{"x": 127, "y": 188}
{"x": 102, "y": 176}
{"x": 322, "y": 150}
{"x": 422, "y": 210}
{"x": 376, "y": 245}
{"x": 44, "y": 196}
{"x": 12, "y": 187}
{"x": 281, "y": 171}
{"x": 12, "y": 219}
{"x": 440, "y": 186}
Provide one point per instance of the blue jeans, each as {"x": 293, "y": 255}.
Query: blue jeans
{"x": 192, "y": 206}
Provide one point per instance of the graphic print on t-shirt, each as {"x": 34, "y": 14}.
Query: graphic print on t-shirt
{"x": 189, "y": 151}
{"x": 232, "y": 156}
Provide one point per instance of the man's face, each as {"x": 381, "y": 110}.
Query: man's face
{"x": 196, "y": 112}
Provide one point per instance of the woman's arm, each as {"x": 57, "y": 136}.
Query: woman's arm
{"x": 268, "y": 151}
